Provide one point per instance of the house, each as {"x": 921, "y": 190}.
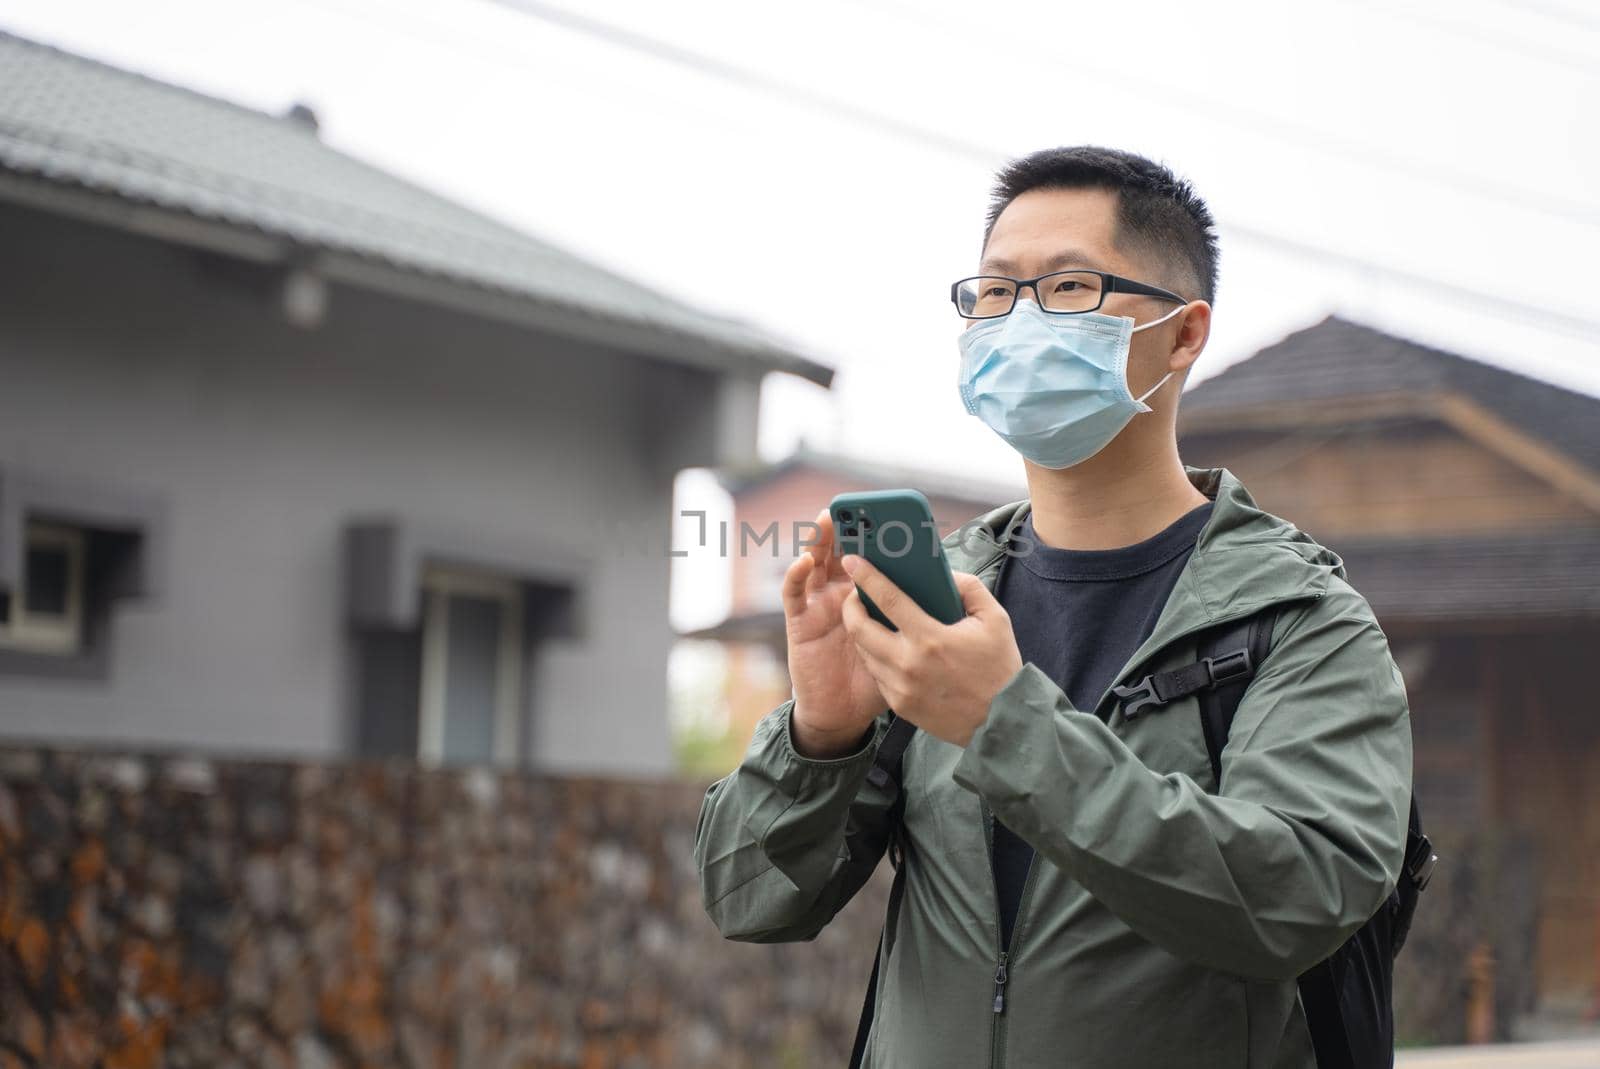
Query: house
{"x": 297, "y": 457}
{"x": 1464, "y": 500}
{"x": 794, "y": 491}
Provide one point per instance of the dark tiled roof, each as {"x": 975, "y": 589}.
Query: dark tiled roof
{"x": 1523, "y": 576}
{"x": 1338, "y": 358}
{"x": 70, "y": 121}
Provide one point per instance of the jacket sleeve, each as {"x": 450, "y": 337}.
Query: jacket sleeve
{"x": 784, "y": 841}
{"x": 1265, "y": 879}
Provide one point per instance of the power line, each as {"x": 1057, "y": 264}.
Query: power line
{"x": 1363, "y": 153}
{"x": 710, "y": 65}
{"x": 1542, "y": 53}
{"x": 1494, "y": 304}
{"x": 1462, "y": 296}
{"x": 1556, "y": 12}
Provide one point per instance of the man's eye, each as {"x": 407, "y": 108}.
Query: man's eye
{"x": 1067, "y": 285}
{"x": 997, "y": 291}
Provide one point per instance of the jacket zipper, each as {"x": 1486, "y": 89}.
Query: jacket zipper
{"x": 1005, "y": 952}
{"x": 1000, "y": 985}
{"x": 996, "y": 1040}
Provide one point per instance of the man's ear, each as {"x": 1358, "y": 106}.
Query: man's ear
{"x": 1194, "y": 329}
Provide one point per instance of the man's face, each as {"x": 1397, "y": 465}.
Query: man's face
{"x": 1047, "y": 230}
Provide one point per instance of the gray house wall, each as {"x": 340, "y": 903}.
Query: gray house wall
{"x": 155, "y": 370}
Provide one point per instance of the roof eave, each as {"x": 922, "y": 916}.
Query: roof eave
{"x": 1464, "y": 414}
{"x": 254, "y": 244}
{"x": 551, "y": 317}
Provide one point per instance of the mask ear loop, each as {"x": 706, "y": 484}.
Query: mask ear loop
{"x": 1163, "y": 319}
{"x": 1168, "y": 375}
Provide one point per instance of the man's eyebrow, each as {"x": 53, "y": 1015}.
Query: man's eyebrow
{"x": 1064, "y": 258}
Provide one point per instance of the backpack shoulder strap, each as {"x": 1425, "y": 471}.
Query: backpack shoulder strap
{"x": 1419, "y": 865}
{"x": 1230, "y": 654}
{"x": 885, "y": 773}
{"x": 1250, "y": 636}
{"x": 864, "y": 1026}
{"x": 886, "y": 763}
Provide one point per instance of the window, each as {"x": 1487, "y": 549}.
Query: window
{"x": 45, "y": 613}
{"x": 443, "y": 631}
{"x": 471, "y": 686}
{"x": 75, "y": 549}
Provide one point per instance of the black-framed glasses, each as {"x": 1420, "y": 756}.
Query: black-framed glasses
{"x": 1061, "y": 292}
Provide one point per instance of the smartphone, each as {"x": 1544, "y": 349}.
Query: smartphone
{"x": 894, "y": 530}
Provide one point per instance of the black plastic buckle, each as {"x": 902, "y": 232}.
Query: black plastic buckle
{"x": 1422, "y": 862}
{"x": 1228, "y": 666}
{"x": 1145, "y": 690}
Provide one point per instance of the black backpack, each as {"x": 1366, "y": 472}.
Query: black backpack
{"x": 1347, "y": 997}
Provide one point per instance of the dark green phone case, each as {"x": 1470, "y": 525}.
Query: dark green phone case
{"x": 894, "y": 530}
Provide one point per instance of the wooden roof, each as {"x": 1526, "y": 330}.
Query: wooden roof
{"x": 1339, "y": 377}
{"x": 1525, "y": 576}
{"x": 1337, "y": 360}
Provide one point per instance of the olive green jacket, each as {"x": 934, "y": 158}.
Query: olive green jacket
{"x": 1163, "y": 924}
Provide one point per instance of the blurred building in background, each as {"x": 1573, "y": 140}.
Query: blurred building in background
{"x": 1464, "y": 500}
{"x": 298, "y": 457}
{"x": 791, "y": 492}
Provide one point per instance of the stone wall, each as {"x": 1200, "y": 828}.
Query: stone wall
{"x": 193, "y": 914}
{"x": 168, "y": 911}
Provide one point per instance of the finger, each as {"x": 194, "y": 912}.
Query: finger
{"x": 890, "y": 599}
{"x": 822, "y": 548}
{"x": 885, "y": 675}
{"x": 884, "y": 672}
{"x": 819, "y": 574}
{"x": 794, "y": 585}
{"x": 827, "y": 551}
{"x": 870, "y": 637}
{"x": 976, "y": 598}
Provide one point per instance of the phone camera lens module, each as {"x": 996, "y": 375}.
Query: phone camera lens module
{"x": 845, "y": 515}
{"x": 850, "y": 531}
{"x": 866, "y": 522}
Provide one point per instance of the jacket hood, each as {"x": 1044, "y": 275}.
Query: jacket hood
{"x": 1245, "y": 558}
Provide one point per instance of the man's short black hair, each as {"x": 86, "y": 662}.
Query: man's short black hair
{"x": 1159, "y": 215}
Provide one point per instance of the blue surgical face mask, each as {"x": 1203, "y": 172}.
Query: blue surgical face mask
{"x": 1054, "y": 386}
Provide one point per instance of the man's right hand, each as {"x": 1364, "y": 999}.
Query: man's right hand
{"x": 835, "y": 698}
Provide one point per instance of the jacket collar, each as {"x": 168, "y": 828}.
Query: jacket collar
{"x": 1244, "y": 560}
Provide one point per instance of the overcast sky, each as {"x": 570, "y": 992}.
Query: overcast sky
{"x": 1430, "y": 168}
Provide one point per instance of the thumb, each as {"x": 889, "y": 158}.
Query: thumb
{"x": 975, "y": 597}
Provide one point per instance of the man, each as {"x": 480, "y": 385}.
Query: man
{"x": 1121, "y": 908}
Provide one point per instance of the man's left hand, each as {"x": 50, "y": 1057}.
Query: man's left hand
{"x": 940, "y": 677}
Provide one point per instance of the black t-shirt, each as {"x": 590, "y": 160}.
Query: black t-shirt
{"x": 1078, "y": 615}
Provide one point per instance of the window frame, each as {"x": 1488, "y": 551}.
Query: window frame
{"x": 55, "y": 636}
{"x": 439, "y": 583}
